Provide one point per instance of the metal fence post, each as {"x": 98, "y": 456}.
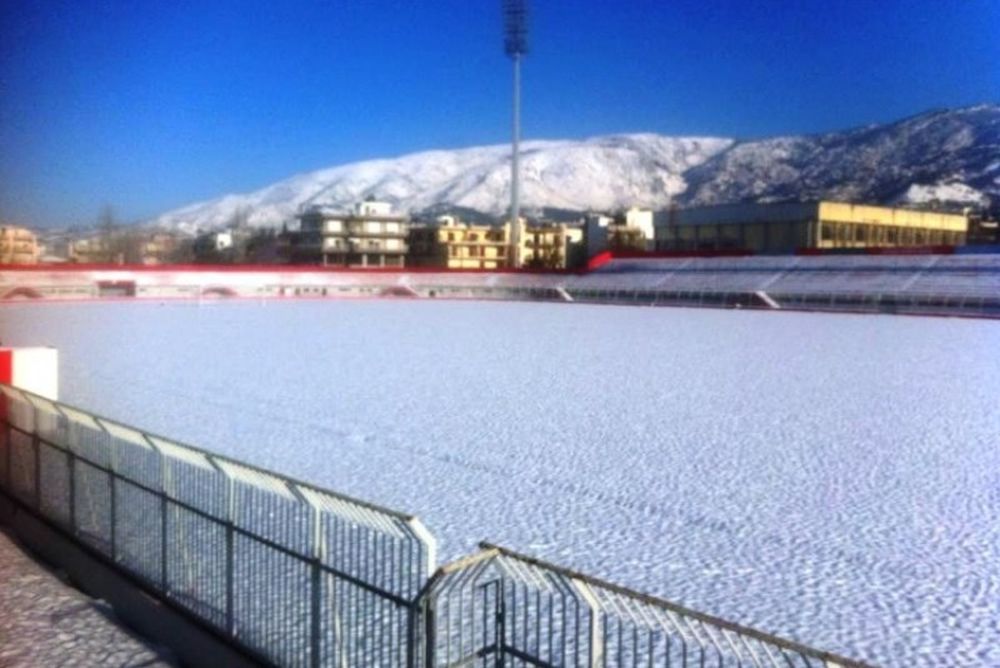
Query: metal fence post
{"x": 230, "y": 555}
{"x": 411, "y": 633}
{"x": 7, "y": 447}
{"x": 112, "y": 483}
{"x": 317, "y": 551}
{"x": 164, "y": 500}
{"x": 501, "y": 622}
{"x": 72, "y": 492}
{"x": 164, "y": 482}
{"x": 70, "y": 466}
{"x": 429, "y": 627}
{"x": 315, "y": 606}
{"x": 596, "y": 641}
{"x": 38, "y": 466}
{"x": 230, "y": 547}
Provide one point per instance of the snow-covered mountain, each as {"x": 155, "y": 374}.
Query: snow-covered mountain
{"x": 602, "y": 173}
{"x": 952, "y": 156}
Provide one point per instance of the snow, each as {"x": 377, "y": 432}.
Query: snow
{"x": 944, "y": 192}
{"x": 876, "y": 164}
{"x": 831, "y": 478}
{"x": 46, "y": 622}
{"x": 600, "y": 173}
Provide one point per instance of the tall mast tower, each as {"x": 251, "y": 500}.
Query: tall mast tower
{"x": 515, "y": 45}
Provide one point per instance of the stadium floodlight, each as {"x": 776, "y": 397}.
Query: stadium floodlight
{"x": 515, "y": 45}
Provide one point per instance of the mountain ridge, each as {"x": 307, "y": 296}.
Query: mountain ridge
{"x": 951, "y": 155}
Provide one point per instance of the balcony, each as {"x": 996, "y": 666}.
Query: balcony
{"x": 357, "y": 231}
{"x": 366, "y": 250}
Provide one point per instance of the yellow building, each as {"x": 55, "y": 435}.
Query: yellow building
{"x": 785, "y": 227}
{"x": 94, "y": 250}
{"x": 18, "y": 245}
{"x": 456, "y": 245}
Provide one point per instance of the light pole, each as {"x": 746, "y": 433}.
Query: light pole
{"x": 515, "y": 45}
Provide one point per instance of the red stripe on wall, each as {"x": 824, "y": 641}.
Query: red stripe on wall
{"x": 6, "y": 376}
{"x": 6, "y": 366}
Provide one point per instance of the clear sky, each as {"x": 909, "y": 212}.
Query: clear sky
{"x": 149, "y": 105}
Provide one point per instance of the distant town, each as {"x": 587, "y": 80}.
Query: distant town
{"x": 372, "y": 235}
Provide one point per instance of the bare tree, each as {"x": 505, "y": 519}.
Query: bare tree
{"x": 112, "y": 244}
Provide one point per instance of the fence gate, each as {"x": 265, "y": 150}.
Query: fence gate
{"x": 465, "y": 629}
{"x": 489, "y": 611}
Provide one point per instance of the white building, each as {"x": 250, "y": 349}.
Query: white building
{"x": 642, "y": 219}
{"x": 630, "y": 230}
{"x": 222, "y": 240}
{"x": 370, "y": 236}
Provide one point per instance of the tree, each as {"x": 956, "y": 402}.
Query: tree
{"x": 113, "y": 241}
{"x": 240, "y": 218}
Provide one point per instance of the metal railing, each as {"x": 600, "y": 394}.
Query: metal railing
{"x": 853, "y": 302}
{"x": 301, "y": 576}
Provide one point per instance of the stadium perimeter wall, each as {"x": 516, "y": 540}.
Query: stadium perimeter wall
{"x": 943, "y": 282}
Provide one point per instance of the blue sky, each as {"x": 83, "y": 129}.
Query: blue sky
{"x": 151, "y": 105}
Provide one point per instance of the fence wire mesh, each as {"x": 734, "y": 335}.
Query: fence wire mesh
{"x": 297, "y": 575}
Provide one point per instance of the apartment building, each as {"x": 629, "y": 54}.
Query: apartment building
{"x": 549, "y": 245}
{"x": 370, "y": 235}
{"x": 18, "y": 245}
{"x": 453, "y": 244}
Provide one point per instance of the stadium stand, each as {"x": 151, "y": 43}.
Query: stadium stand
{"x": 957, "y": 284}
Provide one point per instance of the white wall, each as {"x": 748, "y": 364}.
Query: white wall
{"x": 643, "y": 219}
{"x": 35, "y": 370}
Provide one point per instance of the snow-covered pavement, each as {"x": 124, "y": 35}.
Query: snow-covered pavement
{"x": 46, "y": 622}
{"x": 834, "y": 479}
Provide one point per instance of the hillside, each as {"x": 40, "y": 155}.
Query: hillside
{"x": 952, "y": 156}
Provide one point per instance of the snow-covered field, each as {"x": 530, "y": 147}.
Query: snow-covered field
{"x": 834, "y": 479}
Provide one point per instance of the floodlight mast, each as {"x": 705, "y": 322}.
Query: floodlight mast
{"x": 515, "y": 44}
